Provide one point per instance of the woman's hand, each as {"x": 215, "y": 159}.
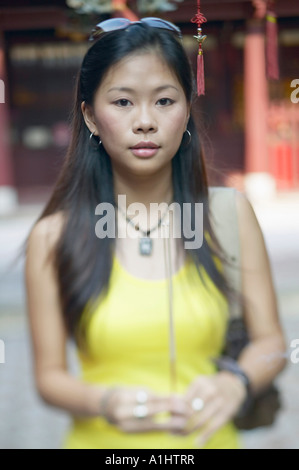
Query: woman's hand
{"x": 208, "y": 404}
{"x": 212, "y": 402}
{"x": 135, "y": 410}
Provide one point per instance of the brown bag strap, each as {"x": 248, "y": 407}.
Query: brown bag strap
{"x": 224, "y": 221}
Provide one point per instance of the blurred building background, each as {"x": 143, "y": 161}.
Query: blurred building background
{"x": 250, "y": 126}
{"x": 250, "y": 123}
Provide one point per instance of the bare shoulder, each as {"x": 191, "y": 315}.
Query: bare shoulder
{"x": 49, "y": 227}
{"x": 45, "y": 234}
{"x": 243, "y": 203}
{"x": 248, "y": 222}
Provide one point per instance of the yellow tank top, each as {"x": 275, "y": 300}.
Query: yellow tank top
{"x": 128, "y": 345}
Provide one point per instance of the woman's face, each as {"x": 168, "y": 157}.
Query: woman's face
{"x": 140, "y": 113}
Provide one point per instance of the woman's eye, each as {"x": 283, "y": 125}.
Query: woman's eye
{"x": 123, "y": 103}
{"x": 165, "y": 101}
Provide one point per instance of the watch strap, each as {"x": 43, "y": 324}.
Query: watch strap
{"x": 229, "y": 364}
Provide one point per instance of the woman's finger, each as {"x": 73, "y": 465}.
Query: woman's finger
{"x": 139, "y": 411}
{"x": 211, "y": 427}
{"x": 201, "y": 418}
{"x": 201, "y": 386}
{"x": 160, "y": 422}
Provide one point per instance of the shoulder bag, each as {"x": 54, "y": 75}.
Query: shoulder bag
{"x": 263, "y": 408}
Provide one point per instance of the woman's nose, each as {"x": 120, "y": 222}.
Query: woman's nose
{"x": 145, "y": 121}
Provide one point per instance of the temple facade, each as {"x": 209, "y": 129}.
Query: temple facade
{"x": 249, "y": 122}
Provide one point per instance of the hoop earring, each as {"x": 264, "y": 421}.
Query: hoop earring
{"x": 91, "y": 136}
{"x": 190, "y": 137}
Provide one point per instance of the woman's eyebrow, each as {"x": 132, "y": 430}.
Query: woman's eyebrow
{"x": 131, "y": 90}
{"x": 164, "y": 87}
{"x": 121, "y": 88}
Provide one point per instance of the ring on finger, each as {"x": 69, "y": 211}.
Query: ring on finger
{"x": 140, "y": 411}
{"x": 197, "y": 404}
{"x": 141, "y": 397}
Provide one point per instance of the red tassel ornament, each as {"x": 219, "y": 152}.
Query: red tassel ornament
{"x": 199, "y": 19}
{"x": 200, "y": 67}
{"x": 272, "y": 42}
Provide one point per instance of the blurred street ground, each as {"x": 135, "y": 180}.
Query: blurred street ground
{"x": 27, "y": 423}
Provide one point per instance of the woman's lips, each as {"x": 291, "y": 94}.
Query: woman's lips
{"x": 145, "y": 149}
{"x": 144, "y": 152}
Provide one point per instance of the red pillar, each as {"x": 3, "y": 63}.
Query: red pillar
{"x": 258, "y": 178}
{"x": 256, "y": 98}
{"x": 8, "y": 195}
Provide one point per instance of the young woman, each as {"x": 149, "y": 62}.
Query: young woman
{"x": 148, "y": 377}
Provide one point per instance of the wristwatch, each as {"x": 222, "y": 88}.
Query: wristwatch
{"x": 229, "y": 364}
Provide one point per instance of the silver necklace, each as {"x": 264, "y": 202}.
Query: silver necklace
{"x": 145, "y": 242}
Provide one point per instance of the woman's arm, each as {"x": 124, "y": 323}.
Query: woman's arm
{"x": 224, "y": 392}
{"x": 264, "y": 357}
{"x": 54, "y": 383}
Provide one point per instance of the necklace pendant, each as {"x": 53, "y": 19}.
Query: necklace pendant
{"x": 145, "y": 246}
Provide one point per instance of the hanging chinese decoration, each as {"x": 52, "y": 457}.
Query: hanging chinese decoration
{"x": 199, "y": 19}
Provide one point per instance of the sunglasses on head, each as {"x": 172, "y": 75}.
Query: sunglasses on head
{"x": 115, "y": 24}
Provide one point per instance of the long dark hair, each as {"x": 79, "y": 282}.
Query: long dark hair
{"x": 83, "y": 262}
